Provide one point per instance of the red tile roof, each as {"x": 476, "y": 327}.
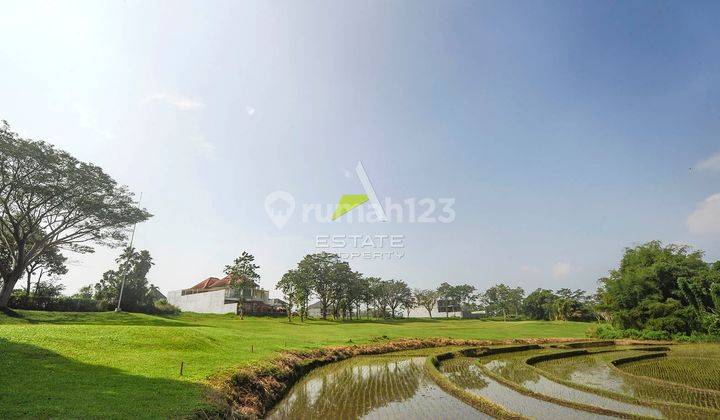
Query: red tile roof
{"x": 213, "y": 282}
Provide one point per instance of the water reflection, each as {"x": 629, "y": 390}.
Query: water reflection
{"x": 371, "y": 387}
{"x": 466, "y": 373}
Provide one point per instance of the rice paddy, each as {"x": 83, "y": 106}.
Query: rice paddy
{"x": 694, "y": 366}
{"x": 596, "y": 380}
{"x": 371, "y": 387}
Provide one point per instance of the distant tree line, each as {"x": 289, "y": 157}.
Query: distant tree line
{"x": 346, "y": 294}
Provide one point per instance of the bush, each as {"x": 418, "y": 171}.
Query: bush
{"x": 655, "y": 335}
{"x": 605, "y": 331}
{"x": 631, "y": 333}
{"x": 609, "y": 332}
{"x": 62, "y": 304}
{"x": 162, "y": 307}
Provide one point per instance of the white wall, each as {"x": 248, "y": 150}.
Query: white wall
{"x": 208, "y": 302}
{"x": 421, "y": 312}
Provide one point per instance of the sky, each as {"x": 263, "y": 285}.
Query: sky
{"x": 561, "y": 132}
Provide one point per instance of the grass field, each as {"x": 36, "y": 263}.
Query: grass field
{"x": 127, "y": 365}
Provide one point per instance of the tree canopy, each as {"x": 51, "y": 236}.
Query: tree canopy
{"x": 662, "y": 287}
{"x": 48, "y": 198}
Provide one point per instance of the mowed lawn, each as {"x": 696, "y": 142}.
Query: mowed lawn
{"x": 128, "y": 365}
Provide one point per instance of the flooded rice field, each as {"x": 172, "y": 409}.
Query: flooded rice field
{"x": 372, "y": 387}
{"x": 547, "y": 382}
{"x": 693, "y": 366}
{"x": 466, "y": 373}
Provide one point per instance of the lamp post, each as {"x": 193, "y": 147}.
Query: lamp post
{"x": 124, "y": 276}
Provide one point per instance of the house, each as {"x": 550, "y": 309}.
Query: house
{"x": 216, "y": 296}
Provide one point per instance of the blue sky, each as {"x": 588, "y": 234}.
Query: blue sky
{"x": 565, "y": 131}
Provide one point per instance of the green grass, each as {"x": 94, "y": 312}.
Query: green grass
{"x": 127, "y": 365}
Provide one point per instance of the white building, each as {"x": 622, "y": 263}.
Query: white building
{"x": 215, "y": 296}
{"x": 438, "y": 311}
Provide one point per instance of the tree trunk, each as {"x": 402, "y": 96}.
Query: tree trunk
{"x": 429, "y": 311}
{"x": 241, "y": 309}
{"x": 7, "y": 287}
{"x": 27, "y": 288}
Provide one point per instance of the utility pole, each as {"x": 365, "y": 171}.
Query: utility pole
{"x": 122, "y": 285}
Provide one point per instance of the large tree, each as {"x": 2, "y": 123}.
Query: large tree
{"x": 539, "y": 304}
{"x": 322, "y": 269}
{"x": 50, "y": 199}
{"x": 399, "y": 294}
{"x": 502, "y": 300}
{"x": 645, "y": 291}
{"x": 427, "y": 299}
{"x": 446, "y": 294}
{"x": 243, "y": 275}
{"x": 288, "y": 286}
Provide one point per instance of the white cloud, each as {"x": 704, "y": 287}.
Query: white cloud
{"x": 562, "y": 269}
{"x": 180, "y": 102}
{"x": 203, "y": 147}
{"x": 250, "y": 110}
{"x": 710, "y": 164}
{"x": 705, "y": 220}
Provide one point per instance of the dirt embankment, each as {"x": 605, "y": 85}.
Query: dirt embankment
{"x": 249, "y": 392}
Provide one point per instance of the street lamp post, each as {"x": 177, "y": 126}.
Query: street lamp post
{"x": 122, "y": 284}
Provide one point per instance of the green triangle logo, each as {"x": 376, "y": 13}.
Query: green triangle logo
{"x": 347, "y": 203}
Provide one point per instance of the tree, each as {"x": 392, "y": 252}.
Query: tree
{"x": 243, "y": 274}
{"x": 427, "y": 299}
{"x": 288, "y": 286}
{"x": 85, "y": 292}
{"x": 645, "y": 292}
{"x": 320, "y": 268}
{"x": 354, "y": 297}
{"x": 50, "y": 288}
{"x": 340, "y": 285}
{"x": 407, "y": 300}
{"x": 133, "y": 268}
{"x": 447, "y": 294}
{"x": 49, "y": 199}
{"x": 51, "y": 262}
{"x": 539, "y": 304}
{"x": 398, "y": 293}
{"x": 381, "y": 294}
{"x": 369, "y": 294}
{"x": 497, "y": 300}
{"x": 464, "y": 295}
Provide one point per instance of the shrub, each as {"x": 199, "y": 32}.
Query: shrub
{"x": 631, "y": 333}
{"x": 605, "y": 331}
{"x": 655, "y": 335}
{"x": 62, "y": 303}
{"x": 162, "y": 307}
